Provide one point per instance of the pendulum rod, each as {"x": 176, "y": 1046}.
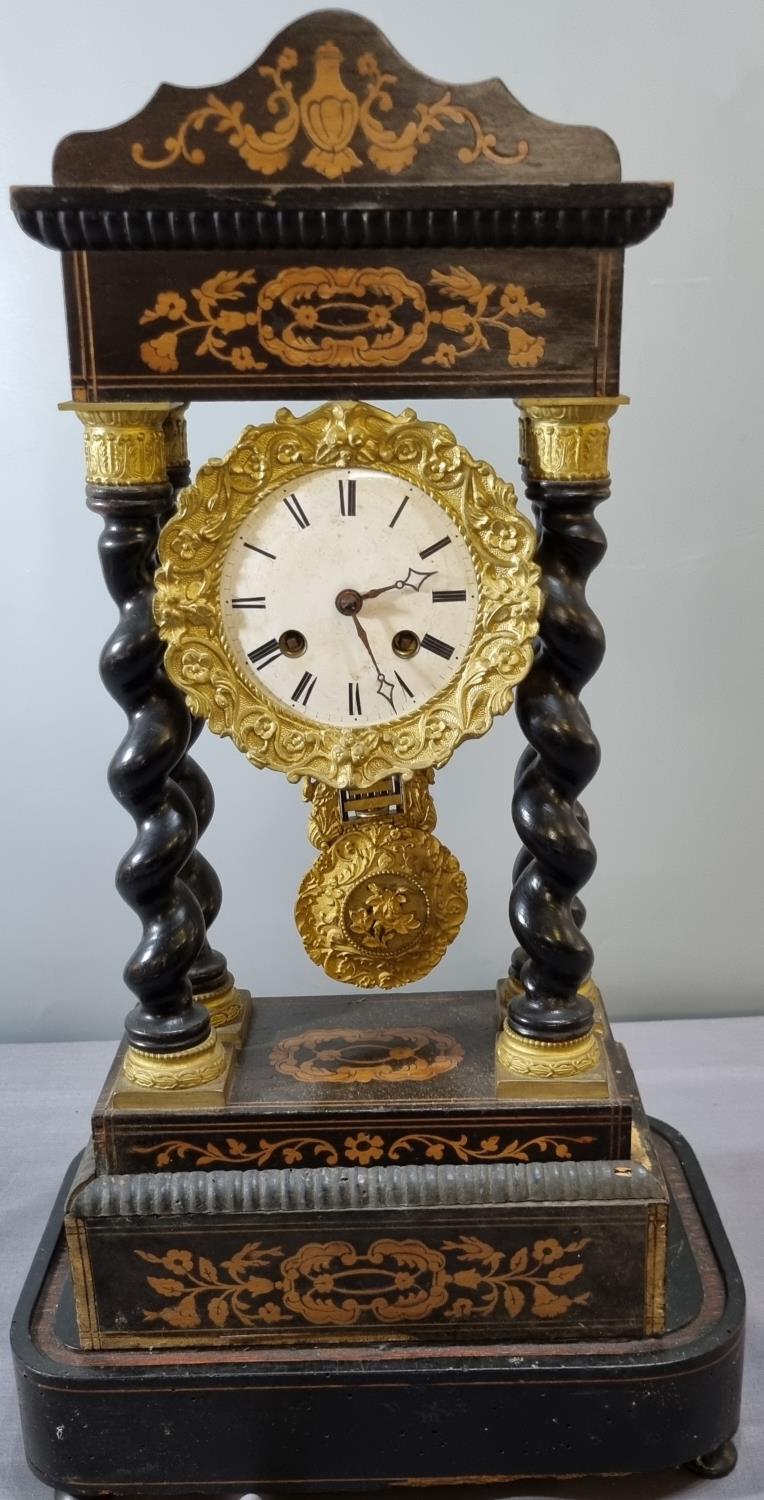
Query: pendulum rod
{"x": 171, "y": 1041}
{"x": 564, "y": 456}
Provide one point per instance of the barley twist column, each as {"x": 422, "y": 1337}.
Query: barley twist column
{"x": 524, "y": 856}
{"x": 212, "y": 983}
{"x": 209, "y": 970}
{"x": 171, "y": 1042}
{"x": 564, "y": 456}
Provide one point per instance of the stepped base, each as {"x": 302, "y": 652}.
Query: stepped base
{"x": 207, "y": 1421}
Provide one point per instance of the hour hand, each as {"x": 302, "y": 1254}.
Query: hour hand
{"x": 413, "y": 580}
{"x": 385, "y": 688}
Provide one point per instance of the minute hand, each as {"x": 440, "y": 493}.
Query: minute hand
{"x": 413, "y": 580}
{"x": 384, "y": 687}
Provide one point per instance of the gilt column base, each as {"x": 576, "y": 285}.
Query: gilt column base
{"x": 230, "y": 1011}
{"x": 196, "y": 1078}
{"x": 529, "y": 1069}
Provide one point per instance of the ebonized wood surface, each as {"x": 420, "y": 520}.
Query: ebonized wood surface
{"x": 328, "y": 99}
{"x": 335, "y": 218}
{"x": 546, "y": 912}
{"x": 165, "y": 1016}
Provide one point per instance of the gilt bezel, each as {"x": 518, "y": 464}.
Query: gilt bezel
{"x": 342, "y": 434}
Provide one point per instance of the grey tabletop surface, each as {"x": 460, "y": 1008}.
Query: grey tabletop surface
{"x": 704, "y": 1077}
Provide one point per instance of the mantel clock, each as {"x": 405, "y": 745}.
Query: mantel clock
{"x": 378, "y": 1196}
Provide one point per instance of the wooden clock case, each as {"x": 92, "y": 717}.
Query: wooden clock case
{"x": 433, "y": 1238}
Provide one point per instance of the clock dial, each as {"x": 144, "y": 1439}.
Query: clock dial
{"x": 351, "y": 597}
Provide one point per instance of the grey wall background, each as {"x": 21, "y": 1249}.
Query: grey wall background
{"x": 675, "y": 905}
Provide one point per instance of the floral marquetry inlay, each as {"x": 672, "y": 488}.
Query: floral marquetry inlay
{"x": 411, "y": 1054}
{"x": 333, "y": 119}
{"x": 341, "y": 317}
{"x": 340, "y": 1285}
{"x": 364, "y": 1148}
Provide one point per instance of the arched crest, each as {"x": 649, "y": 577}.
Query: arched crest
{"x": 330, "y": 100}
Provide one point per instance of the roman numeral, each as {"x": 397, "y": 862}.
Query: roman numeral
{"x": 403, "y": 504}
{"x": 261, "y": 550}
{"x": 439, "y": 648}
{"x": 445, "y": 541}
{"x": 449, "y": 596}
{"x": 347, "y": 507}
{"x": 405, "y": 686}
{"x": 296, "y": 511}
{"x": 252, "y": 603}
{"x": 262, "y": 656}
{"x": 304, "y": 689}
{"x": 354, "y": 699}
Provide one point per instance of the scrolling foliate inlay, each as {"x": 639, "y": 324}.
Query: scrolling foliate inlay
{"x": 332, "y": 118}
{"x": 341, "y": 317}
{"x": 362, "y": 1149}
{"x": 337, "y": 1284}
{"x": 287, "y": 1151}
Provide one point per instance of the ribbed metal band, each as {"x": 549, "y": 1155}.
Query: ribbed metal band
{"x": 331, "y": 1189}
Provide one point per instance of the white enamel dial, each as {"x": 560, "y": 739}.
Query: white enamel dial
{"x": 350, "y": 598}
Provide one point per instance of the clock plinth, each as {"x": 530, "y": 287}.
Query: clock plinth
{"x": 305, "y": 1225}
{"x": 235, "y": 1421}
{"x": 397, "y": 1079}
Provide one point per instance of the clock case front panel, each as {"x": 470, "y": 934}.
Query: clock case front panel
{"x": 467, "y": 320}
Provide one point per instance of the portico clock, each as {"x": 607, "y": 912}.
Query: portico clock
{"x": 349, "y": 595}
{"x": 425, "y": 1209}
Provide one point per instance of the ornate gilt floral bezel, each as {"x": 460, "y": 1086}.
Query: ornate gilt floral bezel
{"x": 194, "y": 543}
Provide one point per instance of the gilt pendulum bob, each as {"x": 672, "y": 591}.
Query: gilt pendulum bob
{"x": 377, "y": 1235}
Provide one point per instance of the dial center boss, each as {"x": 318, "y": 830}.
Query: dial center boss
{"x": 349, "y": 601}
